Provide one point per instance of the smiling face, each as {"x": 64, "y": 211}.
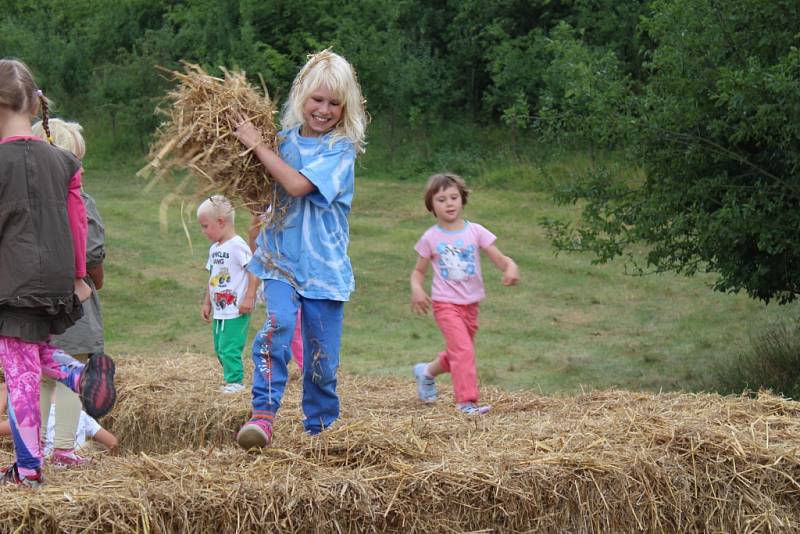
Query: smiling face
{"x": 447, "y": 205}
{"x": 321, "y": 112}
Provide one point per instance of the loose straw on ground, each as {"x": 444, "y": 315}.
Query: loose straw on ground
{"x": 200, "y": 115}
{"x": 605, "y": 461}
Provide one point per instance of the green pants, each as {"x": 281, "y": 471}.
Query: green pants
{"x": 229, "y": 338}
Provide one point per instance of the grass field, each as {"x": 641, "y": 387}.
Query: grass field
{"x": 569, "y": 325}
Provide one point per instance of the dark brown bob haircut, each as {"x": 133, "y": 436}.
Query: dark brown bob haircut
{"x": 440, "y": 181}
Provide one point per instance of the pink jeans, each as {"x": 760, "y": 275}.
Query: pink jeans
{"x": 23, "y": 365}
{"x": 459, "y": 323}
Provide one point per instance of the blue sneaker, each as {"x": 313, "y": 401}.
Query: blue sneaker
{"x": 469, "y": 408}
{"x": 426, "y": 385}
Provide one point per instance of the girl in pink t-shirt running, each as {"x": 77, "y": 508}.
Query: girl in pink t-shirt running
{"x": 453, "y": 247}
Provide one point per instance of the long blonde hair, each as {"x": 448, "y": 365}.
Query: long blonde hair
{"x": 331, "y": 70}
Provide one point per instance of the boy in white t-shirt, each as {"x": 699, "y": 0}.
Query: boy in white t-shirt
{"x": 227, "y": 301}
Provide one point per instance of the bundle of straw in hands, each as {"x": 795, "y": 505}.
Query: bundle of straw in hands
{"x": 202, "y": 114}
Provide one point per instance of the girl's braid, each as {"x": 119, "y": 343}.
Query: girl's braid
{"x": 45, "y": 116}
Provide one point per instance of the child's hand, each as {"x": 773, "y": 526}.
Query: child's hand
{"x": 247, "y": 133}
{"x": 420, "y": 301}
{"x": 511, "y": 274}
{"x": 248, "y": 303}
{"x": 82, "y": 289}
{"x": 206, "y": 312}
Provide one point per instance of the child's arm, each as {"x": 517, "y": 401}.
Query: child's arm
{"x": 5, "y": 426}
{"x": 420, "y": 301}
{"x": 206, "y": 310}
{"x": 292, "y": 181}
{"x": 505, "y": 264}
{"x": 78, "y": 225}
{"x": 97, "y": 275}
{"x": 106, "y": 438}
{"x": 253, "y": 231}
{"x": 249, "y": 299}
{"x": 95, "y": 243}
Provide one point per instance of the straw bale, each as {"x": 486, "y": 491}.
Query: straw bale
{"x": 604, "y": 461}
{"x": 200, "y": 115}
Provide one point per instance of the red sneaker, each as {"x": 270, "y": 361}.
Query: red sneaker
{"x": 255, "y": 434}
{"x": 67, "y": 458}
{"x": 97, "y": 391}
{"x": 10, "y": 475}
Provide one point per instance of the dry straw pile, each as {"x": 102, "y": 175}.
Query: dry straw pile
{"x": 609, "y": 461}
{"x": 201, "y": 113}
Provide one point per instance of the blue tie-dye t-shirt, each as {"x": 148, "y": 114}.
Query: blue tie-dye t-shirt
{"x": 309, "y": 249}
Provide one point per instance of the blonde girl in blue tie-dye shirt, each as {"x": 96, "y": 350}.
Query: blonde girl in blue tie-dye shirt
{"x": 304, "y": 262}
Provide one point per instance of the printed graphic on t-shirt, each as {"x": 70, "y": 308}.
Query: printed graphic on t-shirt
{"x": 456, "y": 262}
{"x": 227, "y": 278}
{"x": 222, "y": 278}
{"x": 224, "y": 298}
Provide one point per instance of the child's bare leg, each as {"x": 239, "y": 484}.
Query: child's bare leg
{"x": 434, "y": 369}
{"x": 424, "y": 374}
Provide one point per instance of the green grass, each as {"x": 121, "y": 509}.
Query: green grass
{"x": 569, "y": 325}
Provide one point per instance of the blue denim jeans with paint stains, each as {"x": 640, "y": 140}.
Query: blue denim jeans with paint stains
{"x": 322, "y": 336}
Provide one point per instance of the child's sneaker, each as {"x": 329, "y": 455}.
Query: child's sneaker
{"x": 255, "y": 434}
{"x": 232, "y": 388}
{"x": 10, "y": 475}
{"x": 97, "y": 391}
{"x": 67, "y": 458}
{"x": 426, "y": 385}
{"x": 469, "y": 408}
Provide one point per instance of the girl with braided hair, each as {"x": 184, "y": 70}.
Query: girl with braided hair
{"x": 42, "y": 265}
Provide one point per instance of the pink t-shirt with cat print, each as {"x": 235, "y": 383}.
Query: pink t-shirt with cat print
{"x": 456, "y": 259}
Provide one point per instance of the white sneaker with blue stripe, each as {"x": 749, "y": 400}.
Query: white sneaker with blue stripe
{"x": 426, "y": 385}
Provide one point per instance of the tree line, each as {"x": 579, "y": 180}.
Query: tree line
{"x": 419, "y": 61}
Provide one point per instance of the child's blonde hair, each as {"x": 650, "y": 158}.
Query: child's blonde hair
{"x": 333, "y": 71}
{"x": 20, "y": 94}
{"x": 66, "y": 135}
{"x": 440, "y": 181}
{"x": 218, "y": 207}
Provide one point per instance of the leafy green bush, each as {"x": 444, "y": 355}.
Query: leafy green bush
{"x": 714, "y": 126}
{"x": 772, "y": 361}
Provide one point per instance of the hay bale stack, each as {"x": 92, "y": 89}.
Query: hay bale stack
{"x": 201, "y": 113}
{"x": 610, "y": 461}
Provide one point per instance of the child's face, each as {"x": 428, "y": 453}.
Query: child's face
{"x": 321, "y": 112}
{"x": 213, "y": 229}
{"x": 447, "y": 204}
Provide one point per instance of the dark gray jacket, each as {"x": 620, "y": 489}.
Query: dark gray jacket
{"x": 37, "y": 265}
